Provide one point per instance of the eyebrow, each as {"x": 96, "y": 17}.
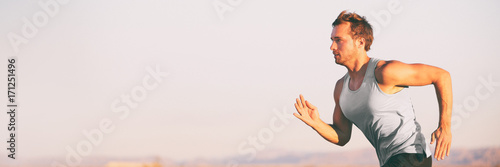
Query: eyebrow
{"x": 335, "y": 37}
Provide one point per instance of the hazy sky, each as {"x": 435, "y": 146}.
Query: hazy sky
{"x": 228, "y": 72}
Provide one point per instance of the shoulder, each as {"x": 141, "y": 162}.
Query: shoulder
{"x": 387, "y": 70}
{"x": 389, "y": 65}
{"x": 338, "y": 89}
{"x": 339, "y": 84}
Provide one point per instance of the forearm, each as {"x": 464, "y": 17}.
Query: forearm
{"x": 330, "y": 133}
{"x": 445, "y": 99}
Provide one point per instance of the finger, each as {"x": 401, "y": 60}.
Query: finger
{"x": 448, "y": 149}
{"x": 436, "y": 153}
{"x": 445, "y": 151}
{"x": 310, "y": 105}
{"x": 433, "y": 138}
{"x": 441, "y": 144}
{"x": 297, "y": 115}
{"x": 302, "y": 118}
{"x": 438, "y": 148}
{"x": 302, "y": 100}
{"x": 298, "y": 102}
{"x": 296, "y": 107}
{"x": 300, "y": 111}
{"x": 439, "y": 153}
{"x": 444, "y": 148}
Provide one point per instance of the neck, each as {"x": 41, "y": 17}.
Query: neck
{"x": 357, "y": 67}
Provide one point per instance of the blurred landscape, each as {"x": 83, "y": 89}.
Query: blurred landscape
{"x": 272, "y": 158}
{"x": 170, "y": 83}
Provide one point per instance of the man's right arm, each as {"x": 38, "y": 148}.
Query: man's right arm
{"x": 340, "y": 123}
{"x": 339, "y": 132}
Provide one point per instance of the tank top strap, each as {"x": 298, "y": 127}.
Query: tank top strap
{"x": 370, "y": 70}
{"x": 370, "y": 73}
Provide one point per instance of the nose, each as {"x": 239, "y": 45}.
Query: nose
{"x": 333, "y": 47}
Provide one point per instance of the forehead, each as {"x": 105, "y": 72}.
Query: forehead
{"x": 341, "y": 30}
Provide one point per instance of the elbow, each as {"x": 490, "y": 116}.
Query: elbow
{"x": 442, "y": 75}
{"x": 445, "y": 74}
{"x": 343, "y": 142}
{"x": 342, "y": 137}
{"x": 446, "y": 77}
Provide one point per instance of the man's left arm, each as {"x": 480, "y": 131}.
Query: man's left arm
{"x": 398, "y": 74}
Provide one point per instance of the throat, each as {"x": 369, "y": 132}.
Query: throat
{"x": 357, "y": 77}
{"x": 355, "y": 84}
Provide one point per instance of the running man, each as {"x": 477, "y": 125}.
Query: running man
{"x": 372, "y": 95}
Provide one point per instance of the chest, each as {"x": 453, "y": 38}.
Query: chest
{"x": 368, "y": 102}
{"x": 355, "y": 84}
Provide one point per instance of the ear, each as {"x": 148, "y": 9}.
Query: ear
{"x": 361, "y": 42}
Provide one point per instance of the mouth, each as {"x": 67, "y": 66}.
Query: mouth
{"x": 336, "y": 55}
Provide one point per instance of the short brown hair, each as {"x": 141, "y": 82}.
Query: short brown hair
{"x": 360, "y": 28}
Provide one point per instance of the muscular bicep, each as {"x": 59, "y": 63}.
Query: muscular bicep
{"x": 401, "y": 74}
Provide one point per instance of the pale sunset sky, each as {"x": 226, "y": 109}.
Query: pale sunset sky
{"x": 231, "y": 66}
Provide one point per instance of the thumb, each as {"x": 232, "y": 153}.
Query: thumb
{"x": 433, "y": 137}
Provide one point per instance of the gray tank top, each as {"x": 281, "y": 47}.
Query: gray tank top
{"x": 387, "y": 120}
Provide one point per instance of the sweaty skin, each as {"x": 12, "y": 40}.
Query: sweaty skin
{"x": 392, "y": 76}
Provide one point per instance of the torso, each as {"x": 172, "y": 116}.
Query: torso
{"x": 383, "y": 112}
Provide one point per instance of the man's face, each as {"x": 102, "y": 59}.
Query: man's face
{"x": 342, "y": 43}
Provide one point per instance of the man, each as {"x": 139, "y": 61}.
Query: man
{"x": 372, "y": 95}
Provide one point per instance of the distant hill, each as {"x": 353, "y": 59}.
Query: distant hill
{"x": 365, "y": 157}
{"x": 473, "y": 157}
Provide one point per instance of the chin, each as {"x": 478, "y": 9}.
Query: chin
{"x": 337, "y": 61}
